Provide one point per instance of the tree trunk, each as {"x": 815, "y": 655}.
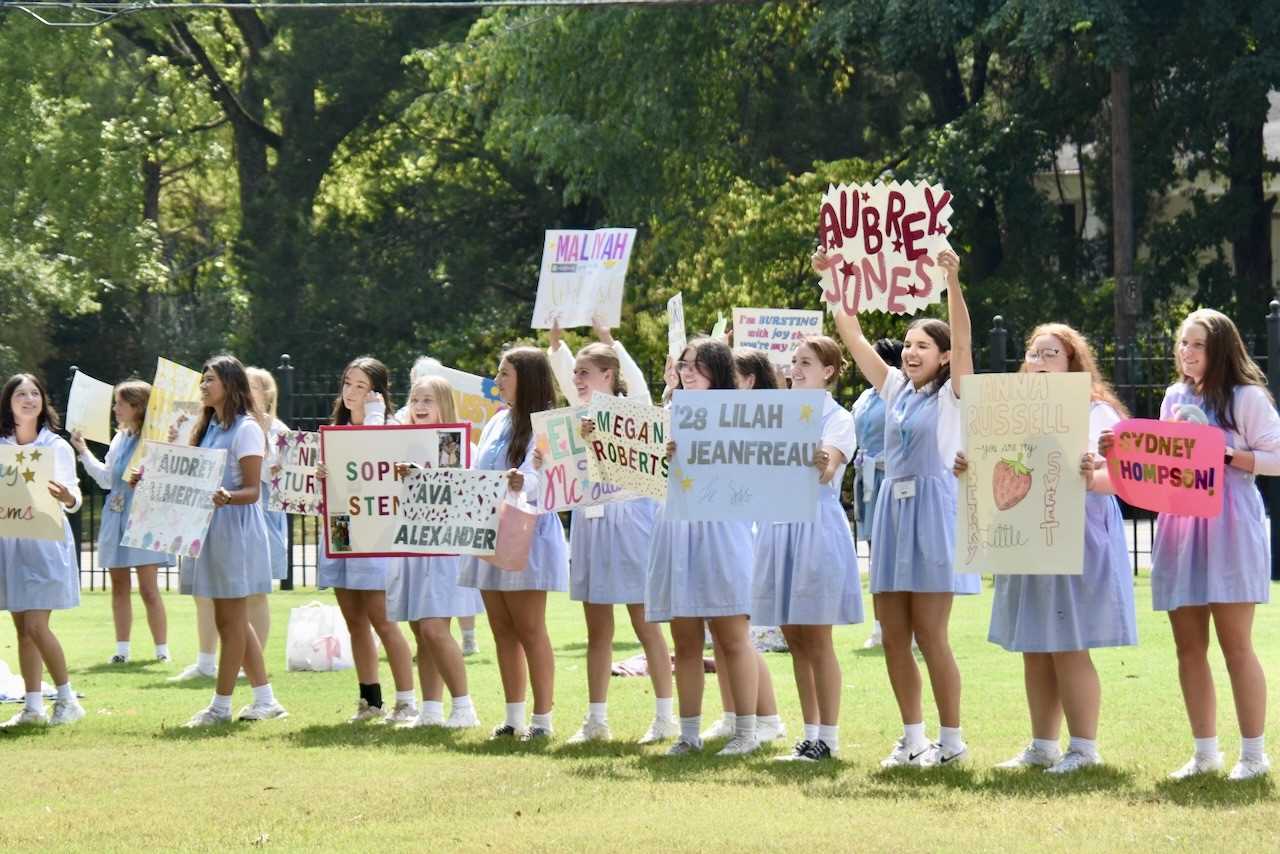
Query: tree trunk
{"x": 1251, "y": 217}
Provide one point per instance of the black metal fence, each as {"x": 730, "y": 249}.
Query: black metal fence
{"x": 1141, "y": 370}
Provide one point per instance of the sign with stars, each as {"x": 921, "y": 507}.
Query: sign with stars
{"x": 27, "y": 510}
{"x": 745, "y": 456}
{"x": 294, "y": 485}
{"x": 557, "y": 434}
{"x": 883, "y": 242}
{"x": 628, "y": 446}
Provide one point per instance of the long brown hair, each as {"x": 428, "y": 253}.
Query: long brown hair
{"x": 940, "y": 332}
{"x": 714, "y": 360}
{"x": 136, "y": 393}
{"x": 535, "y": 392}
{"x": 48, "y": 416}
{"x": 605, "y": 358}
{"x": 236, "y": 402}
{"x": 755, "y": 364}
{"x": 379, "y": 381}
{"x": 1227, "y": 364}
{"x": 1080, "y": 359}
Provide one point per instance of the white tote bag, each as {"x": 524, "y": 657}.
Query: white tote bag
{"x": 318, "y": 639}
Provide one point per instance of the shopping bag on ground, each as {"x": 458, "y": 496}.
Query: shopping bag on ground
{"x": 318, "y": 639}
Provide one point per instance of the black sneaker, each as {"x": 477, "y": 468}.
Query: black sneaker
{"x": 119, "y": 659}
{"x": 818, "y": 751}
{"x": 536, "y": 733}
{"x": 504, "y": 731}
{"x": 798, "y": 752}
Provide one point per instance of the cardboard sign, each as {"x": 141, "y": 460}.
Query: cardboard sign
{"x": 450, "y": 511}
{"x": 582, "y": 277}
{"x": 1020, "y": 506}
{"x": 628, "y": 447}
{"x": 1169, "y": 466}
{"x": 174, "y": 402}
{"x": 676, "y": 339}
{"x": 475, "y": 397}
{"x": 362, "y": 492}
{"x": 173, "y": 503}
{"x": 745, "y": 456}
{"x": 883, "y": 242}
{"x": 89, "y": 408}
{"x": 564, "y": 478}
{"x": 777, "y": 332}
{"x": 27, "y": 510}
{"x": 295, "y": 487}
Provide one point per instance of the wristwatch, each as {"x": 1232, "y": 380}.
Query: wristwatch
{"x": 1228, "y": 455}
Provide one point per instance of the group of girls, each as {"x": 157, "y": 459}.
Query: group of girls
{"x": 721, "y": 576}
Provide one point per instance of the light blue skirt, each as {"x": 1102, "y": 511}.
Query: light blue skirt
{"x": 864, "y": 509}
{"x": 609, "y": 555}
{"x": 233, "y": 562}
{"x": 422, "y": 588}
{"x": 699, "y": 569}
{"x": 351, "y": 573}
{"x": 913, "y": 541}
{"x": 112, "y": 555}
{"x": 39, "y": 575}
{"x": 1066, "y": 613}
{"x": 277, "y": 534}
{"x": 548, "y": 567}
{"x": 806, "y": 573}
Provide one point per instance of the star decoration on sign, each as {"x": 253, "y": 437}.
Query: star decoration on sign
{"x": 275, "y": 483}
{"x": 282, "y": 441}
{"x": 912, "y": 291}
{"x": 806, "y": 413}
{"x": 940, "y": 229}
{"x": 21, "y": 458}
{"x": 897, "y": 246}
{"x": 847, "y": 269}
{"x": 28, "y": 475}
{"x": 35, "y": 455}
{"x": 866, "y": 197}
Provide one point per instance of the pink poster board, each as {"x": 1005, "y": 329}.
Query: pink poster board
{"x": 1168, "y": 466}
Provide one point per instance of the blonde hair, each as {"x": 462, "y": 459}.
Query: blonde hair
{"x": 136, "y": 393}
{"x": 261, "y": 381}
{"x": 1080, "y": 359}
{"x": 605, "y": 358}
{"x": 828, "y": 353}
{"x": 443, "y": 394}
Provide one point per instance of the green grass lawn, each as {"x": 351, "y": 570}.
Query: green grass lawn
{"x": 129, "y": 777}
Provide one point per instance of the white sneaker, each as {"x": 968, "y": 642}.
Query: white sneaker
{"x": 462, "y": 718}
{"x": 1032, "y": 757}
{"x": 683, "y": 747}
{"x": 27, "y": 717}
{"x": 401, "y": 714}
{"x": 937, "y": 757}
{"x": 263, "y": 711}
{"x": 740, "y": 745}
{"x": 660, "y": 730}
{"x": 208, "y": 716}
{"x": 873, "y": 641}
{"x": 767, "y": 732}
{"x": 906, "y": 755}
{"x": 470, "y": 646}
{"x": 1198, "y": 764}
{"x": 1247, "y": 769}
{"x": 66, "y": 712}
{"x": 720, "y": 729}
{"x": 365, "y": 713}
{"x": 591, "y": 731}
{"x": 421, "y": 719}
{"x": 1074, "y": 760}
{"x": 192, "y": 672}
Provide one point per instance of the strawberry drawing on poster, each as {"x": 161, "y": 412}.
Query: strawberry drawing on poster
{"x": 1020, "y": 505}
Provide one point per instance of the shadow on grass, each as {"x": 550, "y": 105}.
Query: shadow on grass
{"x": 129, "y": 667}
{"x": 203, "y": 684}
{"x": 898, "y": 783}
{"x": 370, "y": 736}
{"x": 1214, "y": 792}
{"x": 206, "y": 733}
{"x": 618, "y": 646}
{"x": 18, "y": 732}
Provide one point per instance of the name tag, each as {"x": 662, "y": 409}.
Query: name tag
{"x": 594, "y": 511}
{"x": 904, "y": 489}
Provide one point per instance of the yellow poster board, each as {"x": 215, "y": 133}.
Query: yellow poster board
{"x": 174, "y": 402}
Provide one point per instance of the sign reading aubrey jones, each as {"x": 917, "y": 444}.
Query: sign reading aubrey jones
{"x": 450, "y": 511}
{"x": 745, "y": 456}
{"x": 362, "y": 492}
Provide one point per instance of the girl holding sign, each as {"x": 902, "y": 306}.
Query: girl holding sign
{"x": 806, "y": 573}
{"x": 360, "y": 583}
{"x": 912, "y": 544}
{"x": 700, "y": 574}
{"x": 609, "y": 547}
{"x": 1216, "y": 570}
{"x": 130, "y": 409}
{"x": 1054, "y": 620}
{"x": 516, "y": 602}
{"x": 38, "y": 577}
{"x": 233, "y": 565}
{"x": 424, "y": 592}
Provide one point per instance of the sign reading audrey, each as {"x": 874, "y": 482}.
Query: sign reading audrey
{"x": 362, "y": 492}
{"x": 882, "y": 241}
{"x": 450, "y": 511}
{"x": 745, "y": 456}
{"x": 582, "y": 277}
{"x": 294, "y": 486}
{"x": 565, "y": 481}
{"x": 173, "y": 504}
{"x": 27, "y": 510}
{"x": 1168, "y": 466}
{"x": 1020, "y": 508}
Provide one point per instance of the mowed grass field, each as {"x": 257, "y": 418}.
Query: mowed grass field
{"x": 129, "y": 777}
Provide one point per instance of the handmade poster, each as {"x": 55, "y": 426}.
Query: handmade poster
{"x": 27, "y": 510}
{"x": 628, "y": 447}
{"x": 722, "y": 324}
{"x": 777, "y": 332}
{"x": 173, "y": 503}
{"x": 174, "y": 402}
{"x": 582, "y": 277}
{"x": 1168, "y": 466}
{"x": 564, "y": 478}
{"x": 745, "y": 456}
{"x": 1020, "y": 506}
{"x": 362, "y": 492}
{"x": 89, "y": 408}
{"x": 675, "y": 326}
{"x": 294, "y": 486}
{"x": 883, "y": 242}
{"x": 450, "y": 511}
{"x": 475, "y": 397}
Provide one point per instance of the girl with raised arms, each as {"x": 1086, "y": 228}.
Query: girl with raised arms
{"x": 912, "y": 543}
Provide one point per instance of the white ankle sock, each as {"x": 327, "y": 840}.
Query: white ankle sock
{"x": 1046, "y": 745}
{"x": 745, "y": 726}
{"x": 690, "y": 729}
{"x": 830, "y": 736}
{"x": 162, "y": 650}
{"x": 1207, "y": 746}
{"x": 263, "y": 695}
{"x": 122, "y": 648}
{"x": 810, "y": 732}
{"x": 207, "y": 662}
{"x": 515, "y": 715}
{"x": 768, "y": 720}
{"x": 730, "y": 719}
{"x": 1253, "y": 748}
{"x": 435, "y": 708}
{"x": 663, "y": 707}
{"x": 65, "y": 693}
{"x": 35, "y": 702}
{"x": 221, "y": 703}
{"x": 950, "y": 738}
{"x": 914, "y": 734}
{"x": 468, "y": 635}
{"x": 462, "y": 703}
{"x": 598, "y": 712}
{"x": 1087, "y": 746}
{"x": 404, "y": 697}
{"x": 541, "y": 721}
